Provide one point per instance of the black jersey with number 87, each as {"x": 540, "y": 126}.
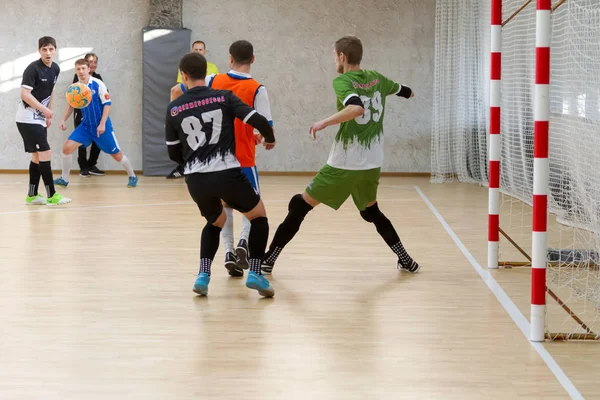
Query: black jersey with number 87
{"x": 201, "y": 122}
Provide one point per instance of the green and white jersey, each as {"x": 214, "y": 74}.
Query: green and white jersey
{"x": 358, "y": 144}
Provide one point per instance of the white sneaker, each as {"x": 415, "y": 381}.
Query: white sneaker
{"x": 57, "y": 200}
{"x": 37, "y": 200}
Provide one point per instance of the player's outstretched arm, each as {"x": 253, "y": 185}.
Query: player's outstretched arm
{"x": 348, "y": 97}
{"x": 405, "y": 92}
{"x": 349, "y": 112}
{"x": 389, "y": 87}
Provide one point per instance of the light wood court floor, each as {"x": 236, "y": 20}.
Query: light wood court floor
{"x": 96, "y": 303}
{"x": 465, "y": 209}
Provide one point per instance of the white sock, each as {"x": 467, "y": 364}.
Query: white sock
{"x": 245, "y": 228}
{"x": 227, "y": 231}
{"x": 127, "y": 165}
{"x": 66, "y": 166}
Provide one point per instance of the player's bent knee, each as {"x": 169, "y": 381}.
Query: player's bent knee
{"x": 218, "y": 221}
{"x": 69, "y": 147}
{"x": 308, "y": 199}
{"x": 372, "y": 203}
{"x": 118, "y": 156}
{"x": 372, "y": 213}
{"x": 257, "y": 212}
{"x": 44, "y": 155}
{"x": 212, "y": 229}
{"x": 298, "y": 207}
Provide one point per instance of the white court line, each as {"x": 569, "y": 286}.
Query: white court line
{"x": 508, "y": 305}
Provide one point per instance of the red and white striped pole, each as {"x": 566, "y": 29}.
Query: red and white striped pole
{"x": 494, "y": 136}
{"x": 540, "y": 170}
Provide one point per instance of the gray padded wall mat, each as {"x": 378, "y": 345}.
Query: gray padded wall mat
{"x": 162, "y": 50}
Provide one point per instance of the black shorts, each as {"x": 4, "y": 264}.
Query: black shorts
{"x": 35, "y": 137}
{"x": 231, "y": 185}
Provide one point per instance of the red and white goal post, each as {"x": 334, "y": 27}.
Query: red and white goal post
{"x": 538, "y": 200}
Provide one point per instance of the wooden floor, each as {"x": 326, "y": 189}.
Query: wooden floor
{"x": 96, "y": 303}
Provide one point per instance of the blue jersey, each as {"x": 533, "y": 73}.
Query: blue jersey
{"x": 92, "y": 114}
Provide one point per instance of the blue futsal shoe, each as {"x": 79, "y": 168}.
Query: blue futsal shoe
{"x": 61, "y": 182}
{"x": 201, "y": 284}
{"x": 260, "y": 283}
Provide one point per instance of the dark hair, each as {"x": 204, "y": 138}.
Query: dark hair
{"x": 194, "y": 65}
{"x": 88, "y": 55}
{"x": 46, "y": 41}
{"x": 352, "y": 48}
{"x": 199, "y": 41}
{"x": 82, "y": 61}
{"x": 241, "y": 51}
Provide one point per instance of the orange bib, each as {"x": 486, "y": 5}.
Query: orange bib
{"x": 245, "y": 89}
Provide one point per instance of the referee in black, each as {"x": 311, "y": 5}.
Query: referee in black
{"x": 88, "y": 167}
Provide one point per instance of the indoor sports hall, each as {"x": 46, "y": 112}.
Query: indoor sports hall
{"x": 490, "y": 177}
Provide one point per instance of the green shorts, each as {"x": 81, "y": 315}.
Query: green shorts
{"x": 332, "y": 186}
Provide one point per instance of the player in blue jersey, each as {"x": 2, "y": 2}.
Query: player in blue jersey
{"x": 95, "y": 126}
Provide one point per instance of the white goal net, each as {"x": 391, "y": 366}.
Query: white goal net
{"x": 573, "y": 273}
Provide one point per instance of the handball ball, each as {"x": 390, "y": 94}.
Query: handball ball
{"x": 79, "y": 95}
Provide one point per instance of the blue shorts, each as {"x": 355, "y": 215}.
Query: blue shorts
{"x": 107, "y": 142}
{"x": 252, "y": 175}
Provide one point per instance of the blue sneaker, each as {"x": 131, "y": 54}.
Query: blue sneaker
{"x": 201, "y": 284}
{"x": 260, "y": 283}
{"x": 61, "y": 182}
{"x": 132, "y": 181}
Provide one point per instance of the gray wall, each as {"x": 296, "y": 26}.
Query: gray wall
{"x": 110, "y": 28}
{"x": 292, "y": 42}
{"x": 294, "y": 60}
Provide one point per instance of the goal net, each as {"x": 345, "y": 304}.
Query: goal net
{"x": 573, "y": 226}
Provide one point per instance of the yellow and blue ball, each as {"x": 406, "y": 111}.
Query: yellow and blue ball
{"x": 79, "y": 95}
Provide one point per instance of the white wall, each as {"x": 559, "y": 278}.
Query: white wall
{"x": 292, "y": 42}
